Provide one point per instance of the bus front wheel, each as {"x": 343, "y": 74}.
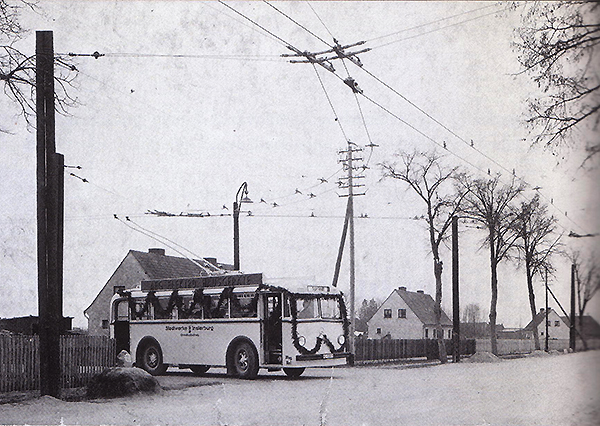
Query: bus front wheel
{"x": 244, "y": 361}
{"x": 293, "y": 372}
{"x": 151, "y": 360}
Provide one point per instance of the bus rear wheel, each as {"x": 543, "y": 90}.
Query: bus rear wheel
{"x": 151, "y": 360}
{"x": 293, "y": 372}
{"x": 199, "y": 369}
{"x": 244, "y": 361}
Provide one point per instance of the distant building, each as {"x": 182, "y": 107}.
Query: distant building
{"x": 558, "y": 328}
{"x": 138, "y": 266}
{"x": 589, "y": 327}
{"x": 30, "y": 325}
{"x": 407, "y": 315}
{"x": 479, "y": 330}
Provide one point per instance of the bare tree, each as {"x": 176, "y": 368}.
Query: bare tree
{"x": 472, "y": 313}
{"x": 425, "y": 175}
{"x": 535, "y": 245}
{"x": 587, "y": 281}
{"x": 489, "y": 203}
{"x": 557, "y": 46}
{"x": 17, "y": 69}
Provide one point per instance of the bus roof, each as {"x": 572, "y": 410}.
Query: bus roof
{"x": 224, "y": 280}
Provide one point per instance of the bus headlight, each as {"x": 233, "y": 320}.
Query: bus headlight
{"x": 342, "y": 339}
{"x": 302, "y": 340}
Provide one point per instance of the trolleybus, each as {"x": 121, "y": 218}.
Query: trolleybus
{"x": 231, "y": 320}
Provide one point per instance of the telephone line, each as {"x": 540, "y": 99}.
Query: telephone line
{"x": 297, "y": 23}
{"x": 440, "y": 28}
{"x": 431, "y": 23}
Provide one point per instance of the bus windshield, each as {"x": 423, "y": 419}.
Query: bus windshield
{"x": 311, "y": 307}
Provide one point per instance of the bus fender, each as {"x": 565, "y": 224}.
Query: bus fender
{"x": 232, "y": 345}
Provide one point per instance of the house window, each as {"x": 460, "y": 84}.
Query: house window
{"x": 556, "y": 323}
{"x": 449, "y": 334}
{"x": 427, "y": 333}
{"x": 401, "y": 313}
{"x": 387, "y": 313}
{"x": 105, "y": 324}
{"x": 378, "y": 330}
{"x": 549, "y": 323}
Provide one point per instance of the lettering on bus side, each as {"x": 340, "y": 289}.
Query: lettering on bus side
{"x": 188, "y": 330}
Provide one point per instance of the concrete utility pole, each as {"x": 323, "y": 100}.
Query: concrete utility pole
{"x": 50, "y": 180}
{"x": 455, "y": 292}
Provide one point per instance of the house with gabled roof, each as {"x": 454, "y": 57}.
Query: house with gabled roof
{"x": 407, "y": 315}
{"x": 558, "y": 328}
{"x": 136, "y": 267}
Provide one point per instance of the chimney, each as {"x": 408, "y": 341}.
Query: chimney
{"x": 420, "y": 292}
{"x": 402, "y": 288}
{"x": 160, "y": 251}
{"x": 212, "y": 260}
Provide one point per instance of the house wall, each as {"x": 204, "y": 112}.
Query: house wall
{"x": 128, "y": 274}
{"x": 410, "y": 327}
{"x": 557, "y": 329}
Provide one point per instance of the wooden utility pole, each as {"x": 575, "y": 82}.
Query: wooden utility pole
{"x": 546, "y": 284}
{"x": 455, "y": 292}
{"x": 351, "y": 231}
{"x": 50, "y": 180}
{"x": 572, "y": 324}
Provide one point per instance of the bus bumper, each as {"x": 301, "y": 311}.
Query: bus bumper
{"x": 317, "y": 357}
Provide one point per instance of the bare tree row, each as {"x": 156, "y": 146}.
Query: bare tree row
{"x": 516, "y": 228}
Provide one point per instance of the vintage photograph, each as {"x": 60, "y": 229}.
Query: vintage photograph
{"x": 299, "y": 212}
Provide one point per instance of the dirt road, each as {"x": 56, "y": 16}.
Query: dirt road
{"x": 552, "y": 390}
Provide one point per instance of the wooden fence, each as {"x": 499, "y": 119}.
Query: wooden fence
{"x": 525, "y": 346}
{"x": 391, "y": 349}
{"x": 81, "y": 357}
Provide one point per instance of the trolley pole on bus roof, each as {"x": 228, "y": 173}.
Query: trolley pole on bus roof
{"x": 50, "y": 200}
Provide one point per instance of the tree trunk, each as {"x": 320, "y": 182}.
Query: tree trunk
{"x": 437, "y": 269}
{"x": 532, "y": 306}
{"x": 494, "y": 301}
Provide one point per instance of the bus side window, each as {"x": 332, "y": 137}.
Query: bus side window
{"x": 217, "y": 311}
{"x": 243, "y": 305}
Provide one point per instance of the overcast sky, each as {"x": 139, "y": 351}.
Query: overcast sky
{"x": 191, "y": 100}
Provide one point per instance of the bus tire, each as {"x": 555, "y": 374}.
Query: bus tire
{"x": 150, "y": 358}
{"x": 242, "y": 360}
{"x": 199, "y": 369}
{"x": 293, "y": 372}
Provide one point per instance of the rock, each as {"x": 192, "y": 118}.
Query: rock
{"x": 124, "y": 359}
{"x": 483, "y": 357}
{"x": 122, "y": 381}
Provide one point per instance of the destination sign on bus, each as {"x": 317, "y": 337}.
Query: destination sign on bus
{"x": 225, "y": 280}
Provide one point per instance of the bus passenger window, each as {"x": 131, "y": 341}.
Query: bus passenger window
{"x": 330, "y": 308}
{"x": 219, "y": 311}
{"x": 306, "y": 308}
{"x": 243, "y": 305}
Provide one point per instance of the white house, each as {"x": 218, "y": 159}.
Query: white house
{"x": 557, "y": 327}
{"x": 407, "y": 315}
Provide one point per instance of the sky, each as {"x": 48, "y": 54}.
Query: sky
{"x": 190, "y": 100}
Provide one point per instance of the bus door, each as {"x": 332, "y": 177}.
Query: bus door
{"x": 121, "y": 325}
{"x": 272, "y": 328}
